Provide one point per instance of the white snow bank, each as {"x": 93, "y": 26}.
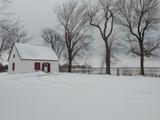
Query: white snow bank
{"x": 41, "y": 96}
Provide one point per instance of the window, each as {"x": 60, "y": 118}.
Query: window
{"x": 13, "y": 66}
{"x": 37, "y": 66}
{"x": 14, "y": 56}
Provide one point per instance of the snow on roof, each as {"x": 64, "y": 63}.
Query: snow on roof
{"x": 33, "y": 52}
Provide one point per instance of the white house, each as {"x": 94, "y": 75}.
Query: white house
{"x": 26, "y": 58}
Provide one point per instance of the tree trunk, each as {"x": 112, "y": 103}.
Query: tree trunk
{"x": 70, "y": 63}
{"x": 141, "y": 60}
{"x": 70, "y": 66}
{"x": 107, "y": 57}
{"x": 142, "y": 65}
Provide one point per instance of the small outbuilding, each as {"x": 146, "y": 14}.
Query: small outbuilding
{"x": 26, "y": 58}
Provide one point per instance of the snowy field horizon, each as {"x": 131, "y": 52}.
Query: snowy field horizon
{"x": 64, "y": 96}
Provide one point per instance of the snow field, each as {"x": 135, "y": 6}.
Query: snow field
{"x": 40, "y": 96}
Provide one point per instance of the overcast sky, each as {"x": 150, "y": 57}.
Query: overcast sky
{"x": 36, "y": 14}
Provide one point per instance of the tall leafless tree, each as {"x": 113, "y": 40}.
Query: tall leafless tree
{"x": 140, "y": 17}
{"x": 101, "y": 16}
{"x": 19, "y": 33}
{"x": 9, "y": 34}
{"x": 4, "y": 37}
{"x": 10, "y": 31}
{"x": 51, "y": 37}
{"x": 71, "y": 17}
{"x": 4, "y": 4}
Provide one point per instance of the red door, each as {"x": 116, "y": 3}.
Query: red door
{"x": 13, "y": 66}
{"x": 43, "y": 67}
{"x": 49, "y": 67}
{"x": 46, "y": 67}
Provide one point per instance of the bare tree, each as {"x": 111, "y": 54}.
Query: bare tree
{"x": 4, "y": 5}
{"x": 9, "y": 34}
{"x": 140, "y": 17}
{"x": 4, "y": 39}
{"x": 113, "y": 43}
{"x": 51, "y": 37}
{"x": 101, "y": 17}
{"x": 18, "y": 32}
{"x": 10, "y": 31}
{"x": 71, "y": 17}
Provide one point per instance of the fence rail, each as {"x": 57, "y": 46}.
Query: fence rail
{"x": 132, "y": 71}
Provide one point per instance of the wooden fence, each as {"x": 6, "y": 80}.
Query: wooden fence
{"x": 131, "y": 71}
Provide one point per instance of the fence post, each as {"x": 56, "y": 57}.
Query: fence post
{"x": 117, "y": 71}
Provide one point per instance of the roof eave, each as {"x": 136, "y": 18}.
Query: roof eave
{"x": 39, "y": 60}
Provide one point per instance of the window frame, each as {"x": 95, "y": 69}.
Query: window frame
{"x": 13, "y": 66}
{"x": 37, "y": 66}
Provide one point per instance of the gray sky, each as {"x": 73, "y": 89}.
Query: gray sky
{"x": 36, "y": 14}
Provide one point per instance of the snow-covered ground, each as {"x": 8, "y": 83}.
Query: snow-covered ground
{"x": 40, "y": 96}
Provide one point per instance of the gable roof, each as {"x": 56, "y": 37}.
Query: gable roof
{"x": 33, "y": 52}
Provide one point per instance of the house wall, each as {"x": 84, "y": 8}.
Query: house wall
{"x": 27, "y": 66}
{"x": 15, "y": 60}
